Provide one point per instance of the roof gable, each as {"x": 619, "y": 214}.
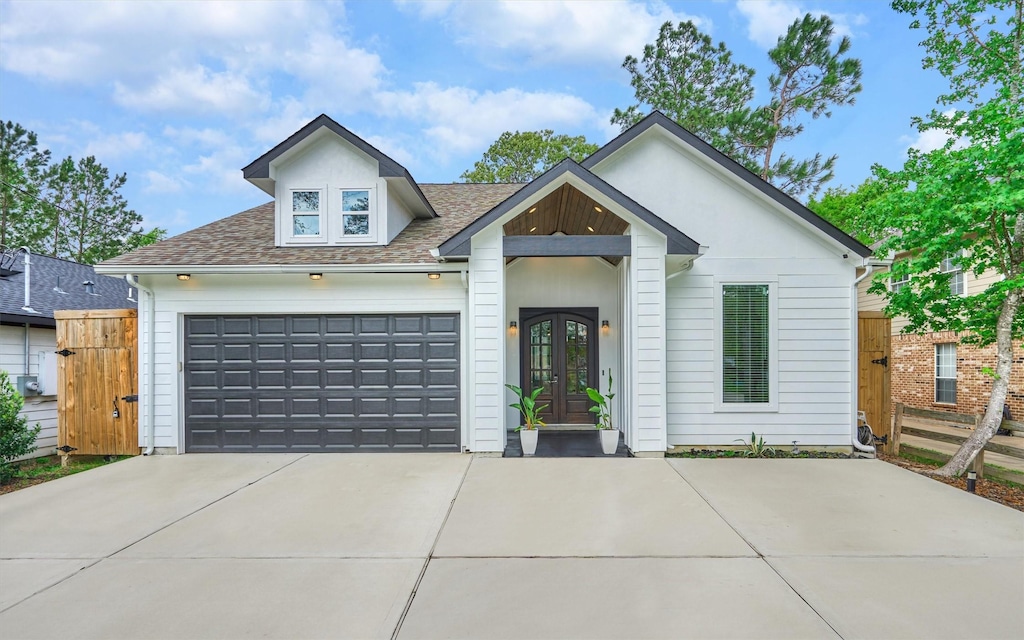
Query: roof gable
{"x": 458, "y": 245}
{"x": 730, "y": 166}
{"x": 258, "y": 171}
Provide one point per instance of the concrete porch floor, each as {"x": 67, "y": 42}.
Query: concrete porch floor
{"x": 448, "y": 545}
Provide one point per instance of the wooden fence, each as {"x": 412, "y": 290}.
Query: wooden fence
{"x": 967, "y": 420}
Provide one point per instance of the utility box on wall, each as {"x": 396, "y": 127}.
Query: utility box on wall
{"x": 48, "y": 373}
{"x": 27, "y": 386}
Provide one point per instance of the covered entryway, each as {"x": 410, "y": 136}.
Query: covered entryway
{"x": 559, "y": 354}
{"x": 322, "y": 382}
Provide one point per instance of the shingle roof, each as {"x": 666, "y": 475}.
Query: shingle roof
{"x": 247, "y": 238}
{"x": 110, "y": 293}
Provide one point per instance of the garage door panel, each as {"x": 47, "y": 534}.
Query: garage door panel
{"x": 398, "y": 387}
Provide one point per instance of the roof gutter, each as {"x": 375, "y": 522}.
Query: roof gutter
{"x": 148, "y": 397}
{"x": 855, "y": 354}
{"x": 409, "y": 268}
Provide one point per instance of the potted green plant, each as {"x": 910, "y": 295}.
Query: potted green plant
{"x": 603, "y": 408}
{"x": 527, "y": 406}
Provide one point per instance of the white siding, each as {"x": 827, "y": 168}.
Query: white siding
{"x": 745, "y": 238}
{"x": 486, "y": 347}
{"x": 328, "y": 163}
{"x": 283, "y": 293}
{"x": 41, "y": 410}
{"x": 647, "y": 349}
{"x": 398, "y": 215}
{"x": 565, "y": 282}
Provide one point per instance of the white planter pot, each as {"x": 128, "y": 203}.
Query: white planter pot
{"x": 528, "y": 438}
{"x": 609, "y": 440}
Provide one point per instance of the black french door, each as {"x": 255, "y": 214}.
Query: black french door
{"x": 559, "y": 353}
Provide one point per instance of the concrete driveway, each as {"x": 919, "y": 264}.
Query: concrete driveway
{"x": 437, "y": 545}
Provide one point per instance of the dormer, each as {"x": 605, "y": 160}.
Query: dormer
{"x": 332, "y": 188}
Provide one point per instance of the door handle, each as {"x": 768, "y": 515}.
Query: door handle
{"x": 554, "y": 379}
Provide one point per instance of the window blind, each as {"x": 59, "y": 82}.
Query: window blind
{"x": 745, "y": 348}
{"x": 945, "y": 372}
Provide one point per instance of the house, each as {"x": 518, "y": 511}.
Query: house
{"x": 28, "y": 337}
{"x": 936, "y": 370}
{"x": 360, "y": 310}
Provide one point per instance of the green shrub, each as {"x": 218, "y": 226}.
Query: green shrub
{"x": 16, "y": 437}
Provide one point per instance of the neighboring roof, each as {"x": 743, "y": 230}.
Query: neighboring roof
{"x": 738, "y": 170}
{"x": 109, "y": 293}
{"x": 259, "y": 169}
{"x": 678, "y": 242}
{"x": 247, "y": 238}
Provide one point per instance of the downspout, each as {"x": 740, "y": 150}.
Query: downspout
{"x": 855, "y": 348}
{"x": 150, "y": 411}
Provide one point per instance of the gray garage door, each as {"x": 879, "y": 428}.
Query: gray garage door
{"x": 322, "y": 383}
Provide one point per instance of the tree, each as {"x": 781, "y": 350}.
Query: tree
{"x": 698, "y": 85}
{"x": 21, "y": 168}
{"x": 847, "y": 208}
{"x": 16, "y": 437}
{"x": 72, "y": 210}
{"x": 690, "y": 80}
{"x": 965, "y": 201}
{"x": 522, "y": 156}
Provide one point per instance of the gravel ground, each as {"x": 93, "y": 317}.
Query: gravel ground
{"x": 1012, "y": 497}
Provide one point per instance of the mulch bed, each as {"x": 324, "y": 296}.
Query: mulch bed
{"x": 1012, "y": 497}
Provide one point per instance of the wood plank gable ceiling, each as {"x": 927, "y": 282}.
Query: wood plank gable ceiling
{"x": 569, "y": 211}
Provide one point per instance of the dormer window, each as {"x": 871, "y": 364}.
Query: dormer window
{"x": 306, "y": 213}
{"x": 357, "y": 214}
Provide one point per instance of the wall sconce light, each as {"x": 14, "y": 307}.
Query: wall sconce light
{"x": 604, "y": 327}
{"x": 316, "y": 276}
{"x": 184, "y": 276}
{"x": 434, "y": 276}
{"x": 513, "y": 328}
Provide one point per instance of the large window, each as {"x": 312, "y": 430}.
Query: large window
{"x": 305, "y": 213}
{"x": 746, "y": 344}
{"x": 951, "y": 266}
{"x": 355, "y": 212}
{"x": 945, "y": 373}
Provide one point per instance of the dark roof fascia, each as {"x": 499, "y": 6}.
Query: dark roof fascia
{"x": 727, "y": 163}
{"x": 21, "y": 319}
{"x": 678, "y": 242}
{"x": 387, "y": 167}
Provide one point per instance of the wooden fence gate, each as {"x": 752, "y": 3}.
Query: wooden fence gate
{"x": 97, "y": 407}
{"x": 874, "y": 397}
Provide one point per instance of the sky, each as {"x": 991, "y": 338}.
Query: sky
{"x": 181, "y": 95}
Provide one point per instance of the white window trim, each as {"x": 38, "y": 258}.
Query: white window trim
{"x": 773, "y": 346}
{"x": 289, "y": 224}
{"x": 956, "y": 269}
{"x": 893, "y": 282}
{"x": 936, "y": 377}
{"x": 370, "y": 238}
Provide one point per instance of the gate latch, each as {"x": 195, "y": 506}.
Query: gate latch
{"x": 66, "y": 449}
{"x": 65, "y": 352}
{"x": 131, "y": 398}
{"x": 884, "y": 361}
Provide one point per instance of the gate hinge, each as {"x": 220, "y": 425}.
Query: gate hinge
{"x": 131, "y": 398}
{"x": 65, "y": 352}
{"x": 884, "y": 361}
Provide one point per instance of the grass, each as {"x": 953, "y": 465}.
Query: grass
{"x": 742, "y": 453}
{"x": 46, "y": 468}
{"x": 933, "y": 463}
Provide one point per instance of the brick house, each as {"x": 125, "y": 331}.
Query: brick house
{"x": 937, "y": 370}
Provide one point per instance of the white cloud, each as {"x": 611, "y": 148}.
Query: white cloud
{"x": 460, "y": 120}
{"x": 564, "y": 31}
{"x": 116, "y": 145}
{"x": 209, "y": 57}
{"x": 769, "y": 19}
{"x": 221, "y": 169}
{"x": 161, "y": 183}
{"x": 392, "y": 148}
{"x": 931, "y": 139}
{"x": 196, "y": 89}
